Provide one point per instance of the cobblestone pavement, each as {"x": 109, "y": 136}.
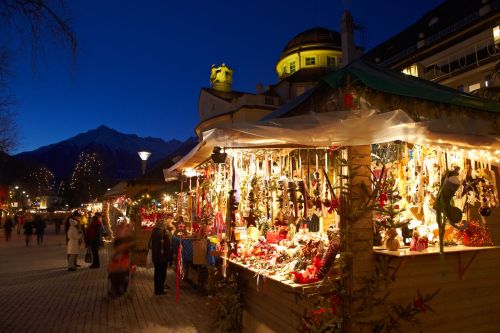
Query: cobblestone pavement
{"x": 38, "y": 294}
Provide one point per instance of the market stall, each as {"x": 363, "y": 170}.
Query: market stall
{"x": 406, "y": 170}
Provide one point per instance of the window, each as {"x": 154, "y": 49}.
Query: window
{"x": 310, "y": 61}
{"x": 293, "y": 69}
{"x": 411, "y": 70}
{"x": 496, "y": 34}
{"x": 285, "y": 69}
{"x": 474, "y": 86}
{"x": 331, "y": 61}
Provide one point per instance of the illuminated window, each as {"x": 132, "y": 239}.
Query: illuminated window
{"x": 411, "y": 70}
{"x": 331, "y": 61}
{"x": 496, "y": 34}
{"x": 293, "y": 69}
{"x": 474, "y": 86}
{"x": 285, "y": 70}
{"x": 310, "y": 61}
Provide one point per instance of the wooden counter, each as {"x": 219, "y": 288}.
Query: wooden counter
{"x": 273, "y": 303}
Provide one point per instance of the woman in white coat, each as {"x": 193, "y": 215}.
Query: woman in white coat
{"x": 73, "y": 248}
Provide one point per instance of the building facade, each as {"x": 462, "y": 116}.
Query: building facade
{"x": 456, "y": 44}
{"x": 305, "y": 58}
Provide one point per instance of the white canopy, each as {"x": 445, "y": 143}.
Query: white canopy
{"x": 346, "y": 128}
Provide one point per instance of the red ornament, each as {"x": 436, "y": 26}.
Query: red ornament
{"x": 348, "y": 101}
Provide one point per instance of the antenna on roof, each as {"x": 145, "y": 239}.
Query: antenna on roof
{"x": 363, "y": 33}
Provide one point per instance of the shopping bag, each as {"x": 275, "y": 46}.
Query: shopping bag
{"x": 149, "y": 259}
{"x": 88, "y": 256}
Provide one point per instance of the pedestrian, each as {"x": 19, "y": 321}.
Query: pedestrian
{"x": 57, "y": 224}
{"x": 119, "y": 266}
{"x": 40, "y": 226}
{"x": 93, "y": 238}
{"x": 28, "y": 229}
{"x": 7, "y": 227}
{"x": 67, "y": 223}
{"x": 159, "y": 243}
{"x": 19, "y": 222}
{"x": 74, "y": 217}
{"x": 74, "y": 236}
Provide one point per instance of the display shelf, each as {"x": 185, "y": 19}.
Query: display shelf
{"x": 282, "y": 279}
{"x": 402, "y": 256}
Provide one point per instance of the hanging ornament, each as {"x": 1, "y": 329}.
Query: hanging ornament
{"x": 485, "y": 211}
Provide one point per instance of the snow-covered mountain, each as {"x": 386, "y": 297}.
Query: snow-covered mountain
{"x": 117, "y": 152}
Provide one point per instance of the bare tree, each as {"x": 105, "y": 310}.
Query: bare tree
{"x": 8, "y": 127}
{"x": 34, "y": 21}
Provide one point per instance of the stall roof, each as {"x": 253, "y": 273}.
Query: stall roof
{"x": 117, "y": 190}
{"x": 240, "y": 136}
{"x": 391, "y": 82}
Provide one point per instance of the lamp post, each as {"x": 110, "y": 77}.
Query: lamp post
{"x": 144, "y": 155}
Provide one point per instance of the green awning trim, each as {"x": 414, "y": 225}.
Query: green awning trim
{"x": 392, "y": 82}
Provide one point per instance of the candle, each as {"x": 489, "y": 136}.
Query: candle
{"x": 300, "y": 164}
{"x": 316, "y": 161}
{"x": 326, "y": 162}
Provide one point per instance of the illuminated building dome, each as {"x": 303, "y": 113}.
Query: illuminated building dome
{"x": 313, "y": 48}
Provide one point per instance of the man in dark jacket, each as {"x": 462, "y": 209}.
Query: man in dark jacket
{"x": 7, "y": 227}
{"x": 39, "y": 225}
{"x": 93, "y": 238}
{"x": 159, "y": 243}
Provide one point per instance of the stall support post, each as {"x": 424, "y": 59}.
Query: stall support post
{"x": 359, "y": 240}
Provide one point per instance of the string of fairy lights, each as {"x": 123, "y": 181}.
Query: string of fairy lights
{"x": 87, "y": 171}
{"x": 43, "y": 180}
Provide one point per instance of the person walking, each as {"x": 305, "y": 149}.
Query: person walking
{"x": 74, "y": 236}
{"x": 19, "y": 222}
{"x": 93, "y": 238}
{"x": 40, "y": 226}
{"x": 159, "y": 243}
{"x": 119, "y": 267}
{"x": 28, "y": 229}
{"x": 57, "y": 225}
{"x": 7, "y": 228}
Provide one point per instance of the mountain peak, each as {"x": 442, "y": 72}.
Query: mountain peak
{"x": 103, "y": 128}
{"x": 119, "y": 148}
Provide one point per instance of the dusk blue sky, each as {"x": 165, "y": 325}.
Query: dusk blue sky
{"x": 140, "y": 64}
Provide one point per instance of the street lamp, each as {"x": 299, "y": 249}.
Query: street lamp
{"x": 144, "y": 155}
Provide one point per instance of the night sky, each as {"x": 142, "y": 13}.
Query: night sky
{"x": 140, "y": 64}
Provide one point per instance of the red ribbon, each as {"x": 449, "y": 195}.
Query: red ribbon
{"x": 179, "y": 273}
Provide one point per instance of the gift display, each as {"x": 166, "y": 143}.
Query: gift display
{"x": 427, "y": 192}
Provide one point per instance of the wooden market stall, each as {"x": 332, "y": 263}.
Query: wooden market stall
{"x": 413, "y": 153}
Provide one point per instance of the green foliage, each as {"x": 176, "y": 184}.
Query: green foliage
{"x": 229, "y": 305}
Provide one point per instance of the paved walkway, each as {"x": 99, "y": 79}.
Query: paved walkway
{"x": 38, "y": 294}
